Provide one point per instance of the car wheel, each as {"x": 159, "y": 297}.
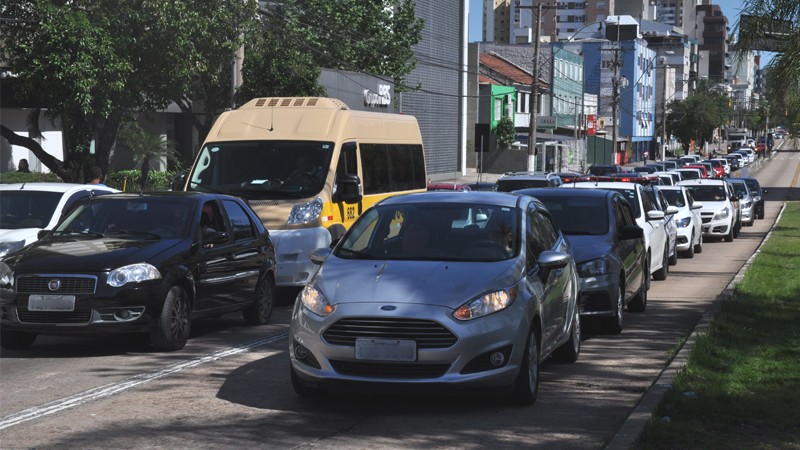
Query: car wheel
{"x": 526, "y": 386}
{"x": 614, "y": 323}
{"x": 15, "y": 340}
{"x": 761, "y": 213}
{"x": 175, "y": 322}
{"x": 699, "y": 247}
{"x": 729, "y": 237}
{"x": 673, "y": 259}
{"x": 639, "y": 302}
{"x": 301, "y": 389}
{"x": 646, "y": 277}
{"x": 689, "y": 253}
{"x": 661, "y": 274}
{"x": 736, "y": 229}
{"x": 260, "y": 311}
{"x": 569, "y": 351}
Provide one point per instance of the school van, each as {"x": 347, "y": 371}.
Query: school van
{"x": 308, "y": 166}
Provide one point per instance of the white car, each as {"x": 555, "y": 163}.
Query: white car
{"x": 27, "y": 208}
{"x": 648, "y": 217}
{"x": 687, "y": 219}
{"x": 719, "y": 213}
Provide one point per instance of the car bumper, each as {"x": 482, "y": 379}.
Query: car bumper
{"x": 684, "y": 239}
{"x": 596, "y": 295}
{"x": 717, "y": 227}
{"x": 129, "y": 311}
{"x": 465, "y": 362}
{"x": 748, "y": 215}
{"x": 293, "y": 266}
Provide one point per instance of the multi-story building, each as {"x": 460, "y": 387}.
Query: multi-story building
{"x": 496, "y": 19}
{"x": 559, "y": 20}
{"x": 712, "y": 38}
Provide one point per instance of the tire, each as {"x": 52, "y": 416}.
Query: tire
{"x": 661, "y": 274}
{"x": 699, "y": 247}
{"x": 729, "y": 237}
{"x": 639, "y": 302}
{"x": 16, "y": 340}
{"x": 569, "y": 351}
{"x": 613, "y": 324}
{"x": 761, "y": 213}
{"x": 175, "y": 322}
{"x": 689, "y": 253}
{"x": 301, "y": 389}
{"x": 526, "y": 386}
{"x": 260, "y": 311}
{"x": 736, "y": 229}
{"x": 673, "y": 260}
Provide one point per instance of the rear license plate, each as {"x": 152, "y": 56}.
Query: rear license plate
{"x": 51, "y": 303}
{"x": 386, "y": 349}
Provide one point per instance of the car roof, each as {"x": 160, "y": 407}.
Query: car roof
{"x": 710, "y": 181}
{"x": 560, "y": 192}
{"x": 54, "y": 187}
{"x": 602, "y": 184}
{"x": 476, "y": 197}
{"x": 528, "y": 175}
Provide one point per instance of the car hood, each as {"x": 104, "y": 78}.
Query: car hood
{"x": 87, "y": 255}
{"x": 23, "y": 234}
{"x": 587, "y": 248}
{"x": 442, "y": 283}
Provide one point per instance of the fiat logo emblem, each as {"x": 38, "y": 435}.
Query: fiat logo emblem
{"x": 54, "y": 284}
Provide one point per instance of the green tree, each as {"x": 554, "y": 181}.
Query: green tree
{"x": 145, "y": 148}
{"x": 696, "y": 117}
{"x": 96, "y": 64}
{"x": 506, "y": 134}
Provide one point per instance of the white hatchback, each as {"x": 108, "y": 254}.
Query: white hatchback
{"x": 27, "y": 208}
{"x": 687, "y": 219}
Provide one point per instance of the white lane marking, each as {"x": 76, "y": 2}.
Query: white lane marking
{"x": 124, "y": 385}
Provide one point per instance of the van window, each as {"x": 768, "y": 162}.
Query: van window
{"x": 392, "y": 167}
{"x": 262, "y": 169}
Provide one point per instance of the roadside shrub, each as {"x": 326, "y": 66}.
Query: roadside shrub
{"x": 131, "y": 180}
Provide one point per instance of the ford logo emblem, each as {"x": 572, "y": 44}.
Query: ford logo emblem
{"x": 54, "y": 284}
{"x": 388, "y": 308}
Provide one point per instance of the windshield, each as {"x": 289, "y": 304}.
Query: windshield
{"x": 707, "y": 193}
{"x": 262, "y": 169}
{"x": 740, "y": 189}
{"x": 674, "y": 197}
{"x": 130, "y": 218}
{"x": 27, "y": 209}
{"x": 434, "y": 232}
{"x": 578, "y": 216}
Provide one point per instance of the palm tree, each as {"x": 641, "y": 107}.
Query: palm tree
{"x": 146, "y": 147}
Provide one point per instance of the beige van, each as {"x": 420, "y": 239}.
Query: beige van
{"x": 308, "y": 166}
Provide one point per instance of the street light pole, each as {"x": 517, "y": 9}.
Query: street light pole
{"x": 534, "y": 94}
{"x": 664, "y": 117}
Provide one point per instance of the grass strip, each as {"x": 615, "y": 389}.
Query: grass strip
{"x": 741, "y": 385}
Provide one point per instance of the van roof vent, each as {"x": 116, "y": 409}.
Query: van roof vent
{"x": 296, "y": 102}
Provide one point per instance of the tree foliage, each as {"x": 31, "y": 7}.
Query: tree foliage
{"x": 505, "y": 131}
{"x": 97, "y": 64}
{"x": 696, "y": 117}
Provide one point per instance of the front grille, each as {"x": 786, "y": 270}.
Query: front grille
{"x": 389, "y": 370}
{"x": 426, "y": 333}
{"x": 54, "y": 317}
{"x": 707, "y": 217}
{"x": 595, "y": 302}
{"x": 70, "y": 284}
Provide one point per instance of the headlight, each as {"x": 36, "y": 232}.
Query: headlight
{"x": 8, "y": 247}
{"x": 305, "y": 213}
{"x": 6, "y": 275}
{"x": 485, "y": 305}
{"x": 722, "y": 214}
{"x": 592, "y": 268}
{"x": 683, "y": 223}
{"x": 135, "y": 273}
{"x": 757, "y": 198}
{"x": 314, "y": 300}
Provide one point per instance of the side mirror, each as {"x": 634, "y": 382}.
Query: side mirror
{"x": 348, "y": 189}
{"x": 179, "y": 180}
{"x": 671, "y": 210}
{"x": 655, "y": 215}
{"x": 630, "y": 232}
{"x": 697, "y": 205}
{"x": 318, "y": 256}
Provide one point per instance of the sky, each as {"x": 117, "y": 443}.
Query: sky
{"x": 730, "y": 8}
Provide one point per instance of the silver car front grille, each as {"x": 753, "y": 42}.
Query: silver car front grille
{"x": 426, "y": 333}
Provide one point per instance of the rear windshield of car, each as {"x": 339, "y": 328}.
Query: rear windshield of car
{"x": 753, "y": 184}
{"x": 578, "y": 216}
{"x": 630, "y": 196}
{"x": 707, "y": 192}
{"x": 513, "y": 185}
{"x": 27, "y": 209}
{"x": 740, "y": 189}
{"x": 434, "y": 232}
{"x": 674, "y": 197}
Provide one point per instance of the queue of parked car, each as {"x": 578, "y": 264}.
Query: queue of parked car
{"x": 455, "y": 290}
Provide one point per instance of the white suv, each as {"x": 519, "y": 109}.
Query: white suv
{"x": 648, "y": 217}
{"x": 720, "y": 211}
{"x": 27, "y": 208}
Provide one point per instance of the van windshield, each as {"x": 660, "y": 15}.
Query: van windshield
{"x": 262, "y": 169}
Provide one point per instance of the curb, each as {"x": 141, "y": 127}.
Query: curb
{"x": 631, "y": 430}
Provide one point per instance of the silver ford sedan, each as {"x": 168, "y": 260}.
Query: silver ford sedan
{"x": 463, "y": 290}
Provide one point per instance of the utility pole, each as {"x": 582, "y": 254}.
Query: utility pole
{"x": 534, "y": 93}
{"x": 615, "y": 81}
{"x": 664, "y": 116}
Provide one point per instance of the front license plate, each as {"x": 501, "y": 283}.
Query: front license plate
{"x": 51, "y": 303}
{"x": 386, "y": 349}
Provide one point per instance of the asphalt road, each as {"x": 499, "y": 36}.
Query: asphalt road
{"x": 230, "y": 387}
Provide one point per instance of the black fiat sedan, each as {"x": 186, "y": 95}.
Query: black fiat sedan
{"x": 139, "y": 263}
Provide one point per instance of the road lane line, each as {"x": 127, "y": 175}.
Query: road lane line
{"x": 129, "y": 383}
